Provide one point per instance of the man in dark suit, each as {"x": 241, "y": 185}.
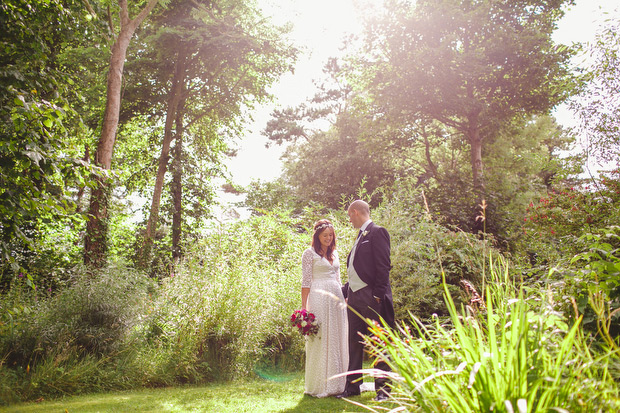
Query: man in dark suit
{"x": 368, "y": 292}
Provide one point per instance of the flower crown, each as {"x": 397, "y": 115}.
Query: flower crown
{"x": 322, "y": 226}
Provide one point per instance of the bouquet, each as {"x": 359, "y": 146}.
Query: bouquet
{"x": 305, "y": 322}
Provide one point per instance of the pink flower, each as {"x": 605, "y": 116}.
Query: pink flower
{"x": 305, "y": 322}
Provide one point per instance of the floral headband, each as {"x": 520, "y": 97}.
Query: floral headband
{"x": 322, "y": 226}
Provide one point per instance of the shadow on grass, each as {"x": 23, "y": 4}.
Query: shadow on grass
{"x": 283, "y": 394}
{"x": 330, "y": 404}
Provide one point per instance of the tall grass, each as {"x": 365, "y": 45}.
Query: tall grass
{"x": 225, "y": 312}
{"x": 70, "y": 342}
{"x": 223, "y": 315}
{"x": 516, "y": 354}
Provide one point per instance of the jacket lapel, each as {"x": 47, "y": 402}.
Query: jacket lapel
{"x": 368, "y": 229}
{"x": 362, "y": 237}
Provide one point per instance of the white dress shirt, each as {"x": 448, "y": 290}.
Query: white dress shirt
{"x": 355, "y": 282}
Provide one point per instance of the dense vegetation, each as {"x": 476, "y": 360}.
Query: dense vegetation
{"x": 114, "y": 274}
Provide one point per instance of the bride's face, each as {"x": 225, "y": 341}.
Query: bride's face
{"x": 326, "y": 237}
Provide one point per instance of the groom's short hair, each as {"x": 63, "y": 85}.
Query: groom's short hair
{"x": 360, "y": 206}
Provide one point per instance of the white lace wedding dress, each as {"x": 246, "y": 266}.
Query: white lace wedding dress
{"x": 327, "y": 353}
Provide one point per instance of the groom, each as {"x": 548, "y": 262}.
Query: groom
{"x": 368, "y": 292}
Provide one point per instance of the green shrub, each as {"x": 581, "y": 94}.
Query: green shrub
{"x": 592, "y": 277}
{"x": 552, "y": 225}
{"x": 226, "y": 310}
{"x": 421, "y": 250}
{"x": 95, "y": 313}
{"x": 73, "y": 341}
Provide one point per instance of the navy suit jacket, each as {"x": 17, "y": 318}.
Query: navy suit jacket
{"x": 372, "y": 264}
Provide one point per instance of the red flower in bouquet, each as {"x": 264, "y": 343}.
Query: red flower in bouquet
{"x": 305, "y": 321}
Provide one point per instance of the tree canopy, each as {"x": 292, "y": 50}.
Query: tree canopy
{"x": 473, "y": 66}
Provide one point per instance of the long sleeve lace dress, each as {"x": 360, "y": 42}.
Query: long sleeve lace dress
{"x": 327, "y": 352}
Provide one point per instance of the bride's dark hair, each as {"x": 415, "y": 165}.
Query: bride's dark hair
{"x": 320, "y": 226}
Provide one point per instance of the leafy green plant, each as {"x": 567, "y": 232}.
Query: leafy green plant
{"x": 518, "y": 354}
{"x": 593, "y": 278}
{"x": 421, "y": 249}
{"x": 94, "y": 314}
{"x": 553, "y": 225}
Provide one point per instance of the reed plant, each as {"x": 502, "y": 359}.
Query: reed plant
{"x": 514, "y": 353}
{"x": 225, "y": 312}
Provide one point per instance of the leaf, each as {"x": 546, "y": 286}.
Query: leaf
{"x": 35, "y": 156}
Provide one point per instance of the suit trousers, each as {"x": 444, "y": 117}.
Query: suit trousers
{"x": 366, "y": 305}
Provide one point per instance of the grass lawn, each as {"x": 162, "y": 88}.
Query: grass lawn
{"x": 268, "y": 394}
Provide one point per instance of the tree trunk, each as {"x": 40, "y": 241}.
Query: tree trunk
{"x": 475, "y": 143}
{"x": 95, "y": 242}
{"x": 177, "y": 191}
{"x": 176, "y": 94}
{"x": 80, "y": 193}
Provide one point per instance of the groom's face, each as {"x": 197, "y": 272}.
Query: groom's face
{"x": 354, "y": 217}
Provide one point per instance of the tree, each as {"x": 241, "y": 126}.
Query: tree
{"x": 225, "y": 57}
{"x": 598, "y": 104}
{"x": 328, "y": 167}
{"x": 40, "y": 167}
{"x": 472, "y": 65}
{"x": 301, "y": 122}
{"x": 95, "y": 241}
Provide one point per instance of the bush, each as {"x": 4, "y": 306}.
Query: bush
{"x": 592, "y": 277}
{"x": 227, "y": 307}
{"x": 70, "y": 341}
{"x": 553, "y": 225}
{"x": 421, "y": 250}
{"x": 95, "y": 314}
{"x": 224, "y": 314}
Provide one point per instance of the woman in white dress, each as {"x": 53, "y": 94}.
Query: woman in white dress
{"x": 327, "y": 352}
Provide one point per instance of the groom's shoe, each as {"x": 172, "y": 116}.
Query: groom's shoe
{"x": 346, "y": 394}
{"x": 381, "y": 396}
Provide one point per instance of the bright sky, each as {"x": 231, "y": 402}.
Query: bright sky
{"x": 320, "y": 26}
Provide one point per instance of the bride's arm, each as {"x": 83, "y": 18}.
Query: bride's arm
{"x": 306, "y": 276}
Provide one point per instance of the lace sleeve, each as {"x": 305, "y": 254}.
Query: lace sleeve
{"x": 336, "y": 265}
{"x": 306, "y": 269}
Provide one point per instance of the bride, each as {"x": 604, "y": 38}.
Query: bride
{"x": 327, "y": 352}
